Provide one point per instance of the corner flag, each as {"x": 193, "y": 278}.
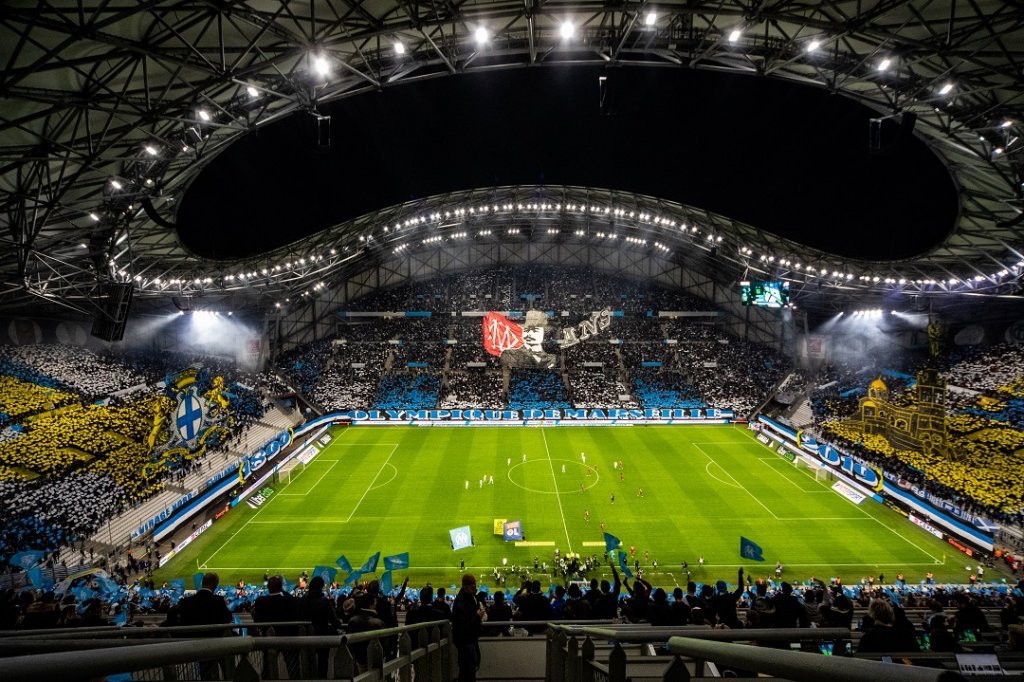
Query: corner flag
{"x": 750, "y": 550}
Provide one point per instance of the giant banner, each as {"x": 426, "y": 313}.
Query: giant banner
{"x": 536, "y": 417}
{"x": 874, "y": 481}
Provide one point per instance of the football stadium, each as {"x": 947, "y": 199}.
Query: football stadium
{"x": 511, "y": 341}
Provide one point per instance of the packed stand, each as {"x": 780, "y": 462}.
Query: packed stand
{"x": 536, "y": 389}
{"x": 472, "y": 389}
{"x": 408, "y": 392}
{"x": 597, "y": 388}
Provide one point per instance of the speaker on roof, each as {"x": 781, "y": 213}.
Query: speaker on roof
{"x": 108, "y": 324}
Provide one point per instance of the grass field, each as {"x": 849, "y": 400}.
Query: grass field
{"x": 398, "y": 489}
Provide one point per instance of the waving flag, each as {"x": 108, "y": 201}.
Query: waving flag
{"x": 343, "y": 564}
{"x": 177, "y": 584}
{"x": 197, "y": 581}
{"x": 513, "y": 531}
{"x": 501, "y": 333}
{"x": 622, "y": 565}
{"x": 385, "y": 583}
{"x": 35, "y": 575}
{"x": 28, "y": 558}
{"x": 371, "y": 564}
{"x": 750, "y": 550}
{"x": 326, "y": 572}
{"x": 396, "y": 561}
{"x": 461, "y": 537}
{"x": 611, "y": 542}
{"x": 353, "y": 577}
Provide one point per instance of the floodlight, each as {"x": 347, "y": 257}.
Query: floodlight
{"x": 481, "y": 35}
{"x": 115, "y": 184}
{"x": 321, "y": 65}
{"x": 813, "y": 45}
{"x": 734, "y": 35}
{"x": 567, "y": 30}
{"x": 204, "y": 114}
{"x": 151, "y": 150}
{"x": 651, "y": 18}
{"x": 253, "y": 92}
{"x": 94, "y": 216}
{"x": 884, "y": 64}
{"x": 399, "y": 47}
{"x": 946, "y": 88}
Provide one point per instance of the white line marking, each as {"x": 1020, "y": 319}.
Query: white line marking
{"x": 787, "y": 478}
{"x": 557, "y": 495}
{"x": 707, "y": 470}
{"x": 370, "y": 487}
{"x": 329, "y": 469}
{"x": 258, "y": 512}
{"x": 738, "y": 484}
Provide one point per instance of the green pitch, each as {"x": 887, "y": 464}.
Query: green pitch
{"x": 398, "y": 489}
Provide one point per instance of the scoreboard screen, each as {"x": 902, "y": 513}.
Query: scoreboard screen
{"x": 772, "y": 294}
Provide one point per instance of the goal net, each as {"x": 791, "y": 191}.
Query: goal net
{"x": 819, "y": 471}
{"x": 284, "y": 474}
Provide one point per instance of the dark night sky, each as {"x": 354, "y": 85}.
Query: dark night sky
{"x": 790, "y": 159}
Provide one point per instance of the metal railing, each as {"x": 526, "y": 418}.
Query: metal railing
{"x": 572, "y": 653}
{"x": 423, "y": 651}
{"x": 803, "y": 667}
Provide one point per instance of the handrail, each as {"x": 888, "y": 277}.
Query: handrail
{"x": 805, "y": 667}
{"x": 101, "y": 662}
{"x": 132, "y": 631}
{"x": 661, "y": 634}
{"x": 52, "y": 659}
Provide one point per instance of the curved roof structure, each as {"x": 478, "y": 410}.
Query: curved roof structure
{"x": 111, "y": 111}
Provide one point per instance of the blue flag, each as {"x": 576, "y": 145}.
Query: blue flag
{"x": 120, "y": 618}
{"x": 35, "y": 576}
{"x": 611, "y": 542}
{"x": 750, "y": 550}
{"x": 343, "y": 564}
{"x": 325, "y": 572}
{"x": 28, "y": 558}
{"x": 371, "y": 564}
{"x": 385, "y": 583}
{"x": 396, "y": 561}
{"x": 177, "y": 584}
{"x": 353, "y": 577}
{"x": 197, "y": 581}
{"x": 622, "y": 564}
{"x": 461, "y": 537}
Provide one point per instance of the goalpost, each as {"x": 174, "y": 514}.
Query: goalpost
{"x": 284, "y": 474}
{"x": 820, "y": 472}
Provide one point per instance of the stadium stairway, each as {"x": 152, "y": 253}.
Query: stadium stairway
{"x": 803, "y": 415}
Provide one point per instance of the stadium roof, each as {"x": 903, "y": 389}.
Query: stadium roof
{"x": 111, "y": 111}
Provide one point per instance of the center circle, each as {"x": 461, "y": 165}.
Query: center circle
{"x": 529, "y": 475}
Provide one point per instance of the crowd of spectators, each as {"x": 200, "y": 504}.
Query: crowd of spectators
{"x": 599, "y": 388}
{"x": 408, "y": 391}
{"x": 472, "y": 388}
{"x": 698, "y": 357}
{"x": 536, "y": 389}
{"x": 892, "y": 617}
{"x": 983, "y": 424}
{"x": 72, "y": 368}
{"x": 82, "y": 431}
